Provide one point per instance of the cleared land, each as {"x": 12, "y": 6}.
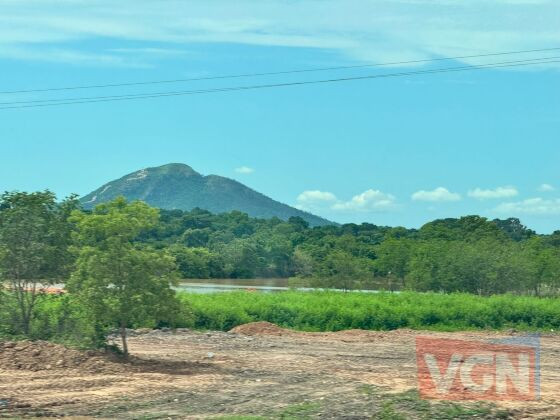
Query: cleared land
{"x": 257, "y": 370}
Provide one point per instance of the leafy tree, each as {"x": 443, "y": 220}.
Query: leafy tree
{"x": 424, "y": 266}
{"x": 340, "y": 270}
{"x": 299, "y": 223}
{"x": 34, "y": 241}
{"x": 554, "y": 239}
{"x": 195, "y": 237}
{"x": 302, "y": 263}
{"x": 393, "y": 256}
{"x": 196, "y": 263}
{"x": 118, "y": 281}
{"x": 514, "y": 229}
{"x": 243, "y": 258}
{"x": 483, "y": 267}
{"x": 278, "y": 252}
{"x": 467, "y": 228}
{"x": 543, "y": 265}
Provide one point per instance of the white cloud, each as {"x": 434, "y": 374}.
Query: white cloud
{"x": 533, "y": 206}
{"x": 546, "y": 188}
{"x": 315, "y": 196}
{"x": 68, "y": 56}
{"x": 364, "y": 30}
{"x": 315, "y": 200}
{"x": 244, "y": 170}
{"x": 439, "y": 194}
{"x": 370, "y": 200}
{"x": 500, "y": 192}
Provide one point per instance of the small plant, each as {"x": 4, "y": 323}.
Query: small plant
{"x": 299, "y": 411}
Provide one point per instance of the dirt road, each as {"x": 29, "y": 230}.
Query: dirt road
{"x": 259, "y": 371}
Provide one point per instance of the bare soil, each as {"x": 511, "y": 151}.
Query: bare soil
{"x": 256, "y": 370}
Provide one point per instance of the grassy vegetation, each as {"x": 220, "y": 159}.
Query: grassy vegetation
{"x": 334, "y": 311}
{"x": 408, "y": 405}
{"x": 367, "y": 401}
{"x": 61, "y": 318}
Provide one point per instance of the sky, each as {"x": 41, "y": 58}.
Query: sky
{"x": 397, "y": 151}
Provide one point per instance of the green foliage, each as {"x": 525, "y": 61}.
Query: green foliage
{"x": 542, "y": 265}
{"x": 469, "y": 254}
{"x": 34, "y": 240}
{"x": 486, "y": 266}
{"x": 118, "y": 282}
{"x": 513, "y": 228}
{"x": 340, "y": 270}
{"x": 334, "y": 311}
{"x": 65, "y": 320}
{"x": 123, "y": 259}
{"x": 468, "y": 228}
{"x": 409, "y": 405}
{"x": 393, "y": 256}
{"x": 198, "y": 263}
{"x": 303, "y": 411}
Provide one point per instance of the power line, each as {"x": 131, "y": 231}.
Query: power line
{"x": 72, "y": 101}
{"x": 276, "y": 73}
{"x": 529, "y": 60}
{"x": 69, "y": 101}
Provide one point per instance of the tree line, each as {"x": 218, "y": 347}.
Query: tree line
{"x": 469, "y": 254}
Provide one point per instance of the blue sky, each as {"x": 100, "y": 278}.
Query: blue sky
{"x": 398, "y": 151}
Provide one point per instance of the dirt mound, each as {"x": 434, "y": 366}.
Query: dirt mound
{"x": 42, "y": 355}
{"x": 261, "y": 328}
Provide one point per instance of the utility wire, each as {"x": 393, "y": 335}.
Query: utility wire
{"x": 110, "y": 85}
{"x": 529, "y": 60}
{"x": 71, "y": 101}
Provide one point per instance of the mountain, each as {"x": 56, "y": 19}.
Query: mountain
{"x": 178, "y": 186}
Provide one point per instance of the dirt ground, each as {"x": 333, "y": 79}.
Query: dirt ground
{"x": 255, "y": 371}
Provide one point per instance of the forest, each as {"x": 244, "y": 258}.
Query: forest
{"x": 470, "y": 254}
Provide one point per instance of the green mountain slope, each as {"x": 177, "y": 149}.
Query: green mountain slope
{"x": 178, "y": 186}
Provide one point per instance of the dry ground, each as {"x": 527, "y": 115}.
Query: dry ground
{"x": 255, "y": 371}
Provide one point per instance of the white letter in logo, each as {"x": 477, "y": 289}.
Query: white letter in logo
{"x": 466, "y": 371}
{"x": 504, "y": 370}
{"x": 443, "y": 381}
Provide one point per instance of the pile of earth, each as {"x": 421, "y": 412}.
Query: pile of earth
{"x": 261, "y": 328}
{"x": 42, "y": 355}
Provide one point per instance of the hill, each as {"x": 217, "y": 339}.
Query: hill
{"x": 178, "y": 186}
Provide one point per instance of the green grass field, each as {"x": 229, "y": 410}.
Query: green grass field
{"x": 333, "y": 311}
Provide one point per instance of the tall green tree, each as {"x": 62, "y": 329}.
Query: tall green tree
{"x": 34, "y": 247}
{"x": 302, "y": 263}
{"x": 341, "y": 270}
{"x": 393, "y": 256}
{"x": 543, "y": 266}
{"x": 120, "y": 282}
{"x": 196, "y": 263}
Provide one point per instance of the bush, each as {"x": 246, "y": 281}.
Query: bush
{"x": 333, "y": 311}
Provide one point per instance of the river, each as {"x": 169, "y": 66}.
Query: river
{"x": 269, "y": 285}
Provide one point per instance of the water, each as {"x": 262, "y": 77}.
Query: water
{"x": 271, "y": 285}
{"x": 228, "y": 285}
